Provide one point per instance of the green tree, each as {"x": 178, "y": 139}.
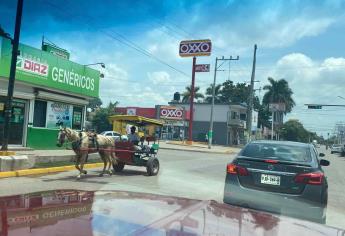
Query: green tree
{"x": 235, "y": 93}
{"x": 264, "y": 116}
{"x": 100, "y": 119}
{"x": 293, "y": 130}
{"x": 4, "y": 34}
{"x": 186, "y": 94}
{"x": 217, "y": 94}
{"x": 95, "y": 103}
{"x": 278, "y": 91}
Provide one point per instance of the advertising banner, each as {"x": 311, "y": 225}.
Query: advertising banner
{"x": 191, "y": 48}
{"x": 58, "y": 114}
{"x": 42, "y": 68}
{"x": 172, "y": 113}
{"x": 55, "y": 50}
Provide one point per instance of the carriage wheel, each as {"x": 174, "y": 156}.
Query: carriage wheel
{"x": 152, "y": 166}
{"x": 118, "y": 167}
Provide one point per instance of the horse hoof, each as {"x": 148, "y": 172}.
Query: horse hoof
{"x": 85, "y": 172}
{"x": 101, "y": 175}
{"x": 78, "y": 177}
{"x": 110, "y": 173}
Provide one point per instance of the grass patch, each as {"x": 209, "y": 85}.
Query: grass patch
{"x": 60, "y": 163}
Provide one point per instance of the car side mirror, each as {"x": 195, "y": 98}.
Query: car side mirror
{"x": 324, "y": 162}
{"x": 321, "y": 154}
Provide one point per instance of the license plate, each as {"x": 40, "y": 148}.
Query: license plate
{"x": 270, "y": 179}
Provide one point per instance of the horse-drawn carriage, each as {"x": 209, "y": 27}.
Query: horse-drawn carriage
{"x": 142, "y": 153}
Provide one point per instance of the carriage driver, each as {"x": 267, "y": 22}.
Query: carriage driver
{"x": 133, "y": 137}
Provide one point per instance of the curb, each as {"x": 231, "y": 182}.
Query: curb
{"x": 212, "y": 152}
{"x": 48, "y": 170}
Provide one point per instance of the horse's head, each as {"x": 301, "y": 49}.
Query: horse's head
{"x": 61, "y": 138}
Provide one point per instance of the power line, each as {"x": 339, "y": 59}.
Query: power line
{"x": 120, "y": 38}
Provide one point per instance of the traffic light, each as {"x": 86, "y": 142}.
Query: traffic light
{"x": 314, "y": 107}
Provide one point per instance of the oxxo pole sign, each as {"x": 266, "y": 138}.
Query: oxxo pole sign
{"x": 202, "y": 68}
{"x": 194, "y": 48}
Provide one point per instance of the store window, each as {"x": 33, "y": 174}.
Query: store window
{"x": 16, "y": 122}
{"x": 77, "y": 118}
{"x": 234, "y": 115}
{"x": 243, "y": 116}
{"x": 40, "y": 114}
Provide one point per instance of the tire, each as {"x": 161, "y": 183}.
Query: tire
{"x": 118, "y": 167}
{"x": 152, "y": 166}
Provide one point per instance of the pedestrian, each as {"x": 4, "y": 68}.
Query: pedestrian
{"x": 206, "y": 138}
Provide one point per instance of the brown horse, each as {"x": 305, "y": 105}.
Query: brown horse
{"x": 84, "y": 143}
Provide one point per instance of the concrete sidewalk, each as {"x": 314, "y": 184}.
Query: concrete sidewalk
{"x": 45, "y": 156}
{"x": 198, "y": 147}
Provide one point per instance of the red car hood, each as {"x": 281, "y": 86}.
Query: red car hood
{"x": 71, "y": 212}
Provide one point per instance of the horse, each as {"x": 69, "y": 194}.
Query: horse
{"x": 81, "y": 142}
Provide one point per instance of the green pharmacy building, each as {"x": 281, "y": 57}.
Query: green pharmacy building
{"x": 50, "y": 90}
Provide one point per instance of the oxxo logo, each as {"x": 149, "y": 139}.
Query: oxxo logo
{"x": 195, "y": 48}
{"x": 172, "y": 113}
{"x": 33, "y": 67}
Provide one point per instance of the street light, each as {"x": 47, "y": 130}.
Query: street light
{"x": 98, "y": 63}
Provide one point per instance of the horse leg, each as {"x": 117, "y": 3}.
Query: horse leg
{"x": 82, "y": 162}
{"x": 86, "y": 157}
{"x": 109, "y": 163}
{"x": 103, "y": 157}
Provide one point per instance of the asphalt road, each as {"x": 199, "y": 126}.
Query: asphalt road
{"x": 185, "y": 174}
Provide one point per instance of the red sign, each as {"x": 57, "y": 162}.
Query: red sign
{"x": 193, "y": 48}
{"x": 202, "y": 68}
{"x": 172, "y": 113}
{"x": 32, "y": 66}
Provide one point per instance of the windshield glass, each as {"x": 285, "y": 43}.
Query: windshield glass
{"x": 277, "y": 151}
{"x": 218, "y": 117}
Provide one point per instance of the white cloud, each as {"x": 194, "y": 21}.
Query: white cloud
{"x": 315, "y": 82}
{"x": 159, "y": 77}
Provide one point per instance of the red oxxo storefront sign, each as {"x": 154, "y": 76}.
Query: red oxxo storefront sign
{"x": 173, "y": 113}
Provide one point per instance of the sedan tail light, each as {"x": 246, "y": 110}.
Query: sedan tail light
{"x": 315, "y": 178}
{"x": 235, "y": 169}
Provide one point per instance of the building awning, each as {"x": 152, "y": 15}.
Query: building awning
{"x": 61, "y": 98}
{"x": 138, "y": 120}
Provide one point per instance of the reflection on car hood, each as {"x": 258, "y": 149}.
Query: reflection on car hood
{"x": 71, "y": 212}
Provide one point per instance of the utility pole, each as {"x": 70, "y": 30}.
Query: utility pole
{"x": 191, "y": 106}
{"x": 251, "y": 96}
{"x": 8, "y": 106}
{"x": 273, "y": 125}
{"x": 216, "y": 67}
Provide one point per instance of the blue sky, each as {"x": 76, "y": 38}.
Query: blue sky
{"x": 301, "y": 41}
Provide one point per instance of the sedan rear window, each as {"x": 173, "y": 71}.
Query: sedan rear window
{"x": 277, "y": 152}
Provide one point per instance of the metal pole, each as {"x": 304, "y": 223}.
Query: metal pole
{"x": 190, "y": 131}
{"x": 8, "y": 107}
{"x": 251, "y": 96}
{"x": 272, "y": 124}
{"x": 210, "y": 132}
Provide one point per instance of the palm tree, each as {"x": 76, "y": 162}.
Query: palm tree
{"x": 217, "y": 94}
{"x": 278, "y": 91}
{"x": 186, "y": 94}
{"x": 4, "y": 34}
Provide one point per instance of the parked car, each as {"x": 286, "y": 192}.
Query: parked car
{"x": 113, "y": 134}
{"x": 336, "y": 148}
{"x": 281, "y": 177}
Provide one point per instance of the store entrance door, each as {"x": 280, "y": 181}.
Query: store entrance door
{"x": 16, "y": 122}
